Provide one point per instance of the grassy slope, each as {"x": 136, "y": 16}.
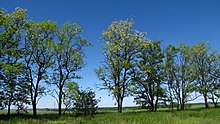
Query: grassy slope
{"x": 129, "y": 116}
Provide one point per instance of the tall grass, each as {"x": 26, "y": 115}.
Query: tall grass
{"x": 129, "y": 116}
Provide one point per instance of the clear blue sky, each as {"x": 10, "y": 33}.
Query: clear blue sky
{"x": 172, "y": 21}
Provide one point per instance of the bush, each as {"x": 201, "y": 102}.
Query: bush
{"x": 85, "y": 102}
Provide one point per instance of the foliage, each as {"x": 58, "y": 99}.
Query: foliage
{"x": 13, "y": 89}
{"x": 170, "y": 69}
{"x": 38, "y": 57}
{"x": 183, "y": 84}
{"x": 204, "y": 64}
{"x": 68, "y": 57}
{"x": 30, "y": 51}
{"x": 122, "y": 45}
{"x": 71, "y": 90}
{"x": 149, "y": 75}
{"x": 85, "y": 102}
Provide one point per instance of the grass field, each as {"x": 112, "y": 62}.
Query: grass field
{"x": 133, "y": 115}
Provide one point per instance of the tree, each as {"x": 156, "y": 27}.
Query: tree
{"x": 203, "y": 60}
{"x": 149, "y": 75}
{"x": 170, "y": 65}
{"x": 11, "y": 35}
{"x": 184, "y": 83}
{"x": 68, "y": 55}
{"x": 38, "y": 57}
{"x": 214, "y": 88}
{"x": 122, "y": 45}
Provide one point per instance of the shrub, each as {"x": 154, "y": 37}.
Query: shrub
{"x": 85, "y": 102}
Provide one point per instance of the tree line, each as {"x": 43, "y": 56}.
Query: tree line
{"x": 140, "y": 67}
{"x": 34, "y": 55}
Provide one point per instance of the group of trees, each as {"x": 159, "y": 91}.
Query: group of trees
{"x": 173, "y": 75}
{"x": 34, "y": 55}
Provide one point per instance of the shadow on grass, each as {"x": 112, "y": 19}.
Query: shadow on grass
{"x": 46, "y": 116}
{"x": 55, "y": 116}
{"x": 136, "y": 111}
{"x": 127, "y": 112}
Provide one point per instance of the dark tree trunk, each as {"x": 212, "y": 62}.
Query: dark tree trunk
{"x": 60, "y": 103}
{"x": 171, "y": 98}
{"x": 34, "y": 106}
{"x": 151, "y": 105}
{"x": 182, "y": 106}
{"x": 9, "y": 104}
{"x": 178, "y": 105}
{"x": 172, "y": 105}
{"x": 151, "y": 94}
{"x": 9, "y": 108}
{"x": 157, "y": 98}
{"x": 215, "y": 104}
{"x": 179, "y": 101}
{"x": 206, "y": 100}
{"x": 34, "y": 109}
{"x": 156, "y": 103}
{"x": 120, "y": 99}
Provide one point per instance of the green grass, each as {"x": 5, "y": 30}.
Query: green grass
{"x": 132, "y": 115}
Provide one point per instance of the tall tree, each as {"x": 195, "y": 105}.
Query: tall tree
{"x": 184, "y": 77}
{"x": 149, "y": 75}
{"x": 170, "y": 68}
{"x": 11, "y": 35}
{"x": 2, "y": 45}
{"x": 38, "y": 57}
{"x": 122, "y": 45}
{"x": 214, "y": 88}
{"x": 68, "y": 57}
{"x": 203, "y": 60}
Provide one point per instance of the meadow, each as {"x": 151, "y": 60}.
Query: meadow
{"x": 131, "y": 115}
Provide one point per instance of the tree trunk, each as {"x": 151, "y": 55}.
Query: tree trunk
{"x": 182, "y": 106}
{"x": 179, "y": 98}
{"x": 156, "y": 103}
{"x": 60, "y": 103}
{"x": 151, "y": 105}
{"x": 9, "y": 109}
{"x": 120, "y": 104}
{"x": 9, "y": 104}
{"x": 206, "y": 100}
{"x": 157, "y": 98}
{"x": 34, "y": 106}
{"x": 171, "y": 102}
{"x": 179, "y": 103}
{"x": 172, "y": 105}
{"x": 215, "y": 104}
{"x": 151, "y": 94}
{"x": 177, "y": 107}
